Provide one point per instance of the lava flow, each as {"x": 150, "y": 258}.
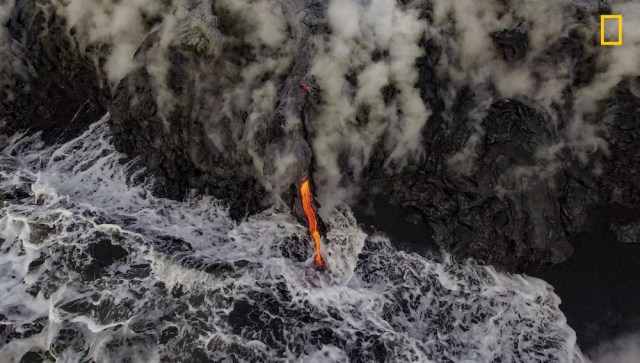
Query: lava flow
{"x": 305, "y": 192}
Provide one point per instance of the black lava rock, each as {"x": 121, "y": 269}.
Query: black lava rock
{"x": 103, "y": 254}
{"x": 52, "y": 86}
{"x": 512, "y": 43}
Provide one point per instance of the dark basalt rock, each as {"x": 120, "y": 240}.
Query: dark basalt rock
{"x": 506, "y": 209}
{"x": 52, "y": 86}
{"x": 497, "y": 213}
{"x": 168, "y": 334}
{"x": 67, "y": 338}
{"x": 103, "y": 254}
{"x": 177, "y": 155}
{"x": 36, "y": 357}
{"x": 24, "y": 331}
{"x": 512, "y": 43}
{"x": 627, "y": 232}
{"x": 619, "y": 178}
{"x": 427, "y": 80}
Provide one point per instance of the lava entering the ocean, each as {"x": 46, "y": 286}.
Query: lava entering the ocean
{"x": 305, "y": 193}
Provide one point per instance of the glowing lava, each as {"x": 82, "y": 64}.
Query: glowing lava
{"x": 305, "y": 192}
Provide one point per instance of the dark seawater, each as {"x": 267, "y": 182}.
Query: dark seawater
{"x": 373, "y": 210}
{"x": 600, "y": 284}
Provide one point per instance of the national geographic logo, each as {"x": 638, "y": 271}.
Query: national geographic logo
{"x": 610, "y": 34}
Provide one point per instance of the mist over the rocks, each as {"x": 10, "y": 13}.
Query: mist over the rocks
{"x": 208, "y": 95}
{"x": 498, "y": 126}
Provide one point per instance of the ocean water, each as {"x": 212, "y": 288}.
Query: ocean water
{"x": 93, "y": 268}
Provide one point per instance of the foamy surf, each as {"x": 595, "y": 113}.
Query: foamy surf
{"x": 95, "y": 268}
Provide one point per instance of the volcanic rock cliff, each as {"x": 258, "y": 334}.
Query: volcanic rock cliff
{"x": 212, "y": 105}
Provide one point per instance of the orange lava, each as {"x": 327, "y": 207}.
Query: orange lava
{"x": 305, "y": 192}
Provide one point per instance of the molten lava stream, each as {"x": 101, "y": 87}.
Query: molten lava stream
{"x": 305, "y": 193}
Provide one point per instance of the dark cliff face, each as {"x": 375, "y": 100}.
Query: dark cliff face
{"x": 175, "y": 146}
{"x": 188, "y": 135}
{"x": 511, "y": 207}
{"x": 52, "y": 85}
{"x": 166, "y": 125}
{"x": 496, "y": 213}
{"x": 501, "y": 214}
{"x": 515, "y": 208}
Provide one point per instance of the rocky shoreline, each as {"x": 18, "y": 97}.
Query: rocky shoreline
{"x": 597, "y": 284}
{"x": 513, "y": 207}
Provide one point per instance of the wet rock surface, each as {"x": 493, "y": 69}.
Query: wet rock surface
{"x": 36, "y": 357}
{"x": 102, "y": 253}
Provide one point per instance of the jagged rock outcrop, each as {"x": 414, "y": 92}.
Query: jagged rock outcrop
{"x": 49, "y": 83}
{"x": 502, "y": 212}
{"x": 512, "y": 208}
{"x": 204, "y": 113}
{"x": 513, "y": 43}
{"x": 192, "y": 137}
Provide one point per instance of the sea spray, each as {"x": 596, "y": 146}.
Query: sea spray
{"x": 93, "y": 266}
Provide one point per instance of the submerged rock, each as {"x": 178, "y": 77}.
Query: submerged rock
{"x": 103, "y": 254}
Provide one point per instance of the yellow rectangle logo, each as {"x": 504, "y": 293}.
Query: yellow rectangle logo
{"x": 602, "y": 28}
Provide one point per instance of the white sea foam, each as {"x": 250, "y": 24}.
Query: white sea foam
{"x": 182, "y": 281}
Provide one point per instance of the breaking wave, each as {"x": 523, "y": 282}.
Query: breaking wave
{"x": 95, "y": 268}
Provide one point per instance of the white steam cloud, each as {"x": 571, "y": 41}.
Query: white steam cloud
{"x": 625, "y": 349}
{"x": 614, "y": 64}
{"x": 118, "y": 24}
{"x": 358, "y": 30}
{"x": 364, "y": 73}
